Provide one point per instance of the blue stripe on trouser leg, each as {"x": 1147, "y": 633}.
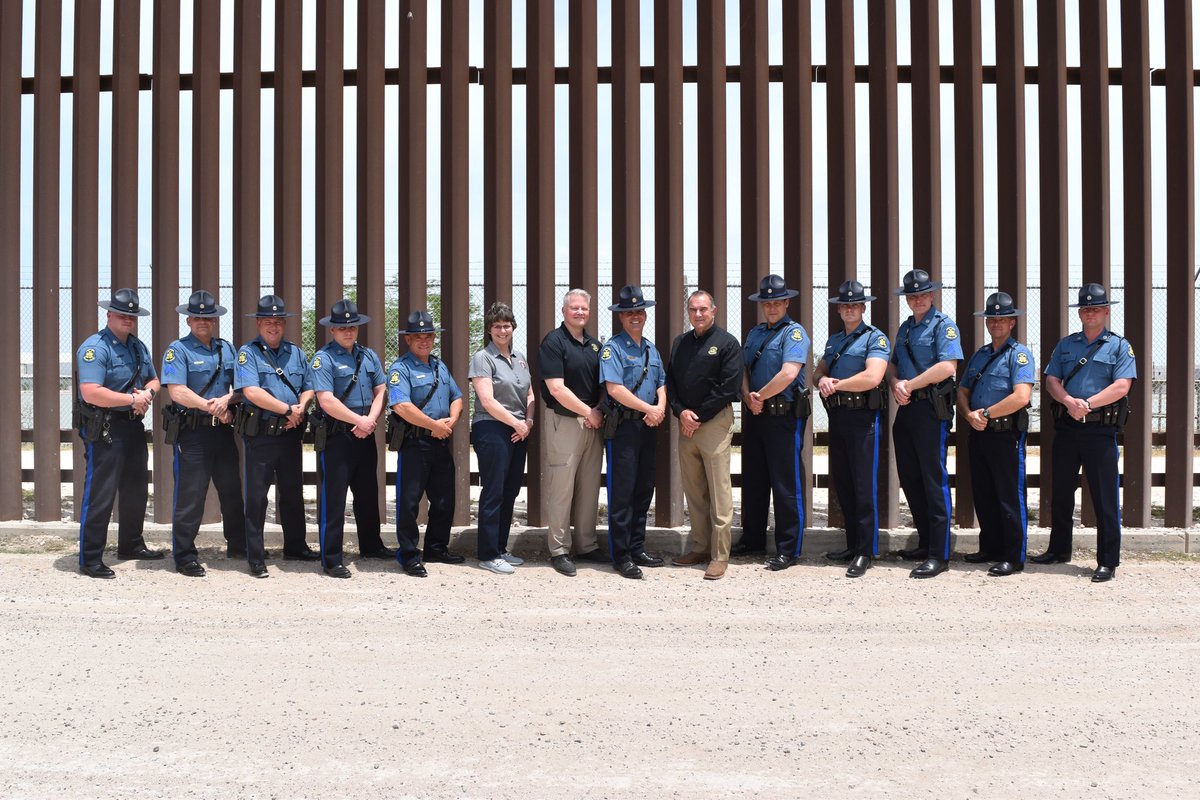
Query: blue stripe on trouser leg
{"x": 798, "y": 470}
{"x": 174, "y": 495}
{"x": 87, "y": 494}
{"x": 875, "y": 486}
{"x": 944, "y": 429}
{"x": 1022, "y": 496}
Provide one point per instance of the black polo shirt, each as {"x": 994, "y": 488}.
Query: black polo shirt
{"x": 576, "y": 362}
{"x": 704, "y": 373}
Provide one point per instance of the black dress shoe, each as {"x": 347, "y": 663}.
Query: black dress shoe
{"x": 416, "y": 569}
{"x": 97, "y": 571}
{"x": 142, "y": 553}
{"x": 744, "y": 548}
{"x": 858, "y": 567}
{"x": 339, "y": 571}
{"x": 1049, "y": 557}
{"x": 443, "y": 557}
{"x": 192, "y": 569}
{"x": 307, "y": 554}
{"x": 596, "y": 556}
{"x": 1104, "y": 574}
{"x": 979, "y": 557}
{"x": 259, "y": 570}
{"x": 1005, "y": 568}
{"x": 644, "y": 559}
{"x": 930, "y": 568}
{"x": 780, "y": 561}
{"x": 628, "y": 569}
{"x": 840, "y": 556}
{"x": 381, "y": 553}
{"x": 563, "y": 565}
{"x": 914, "y": 554}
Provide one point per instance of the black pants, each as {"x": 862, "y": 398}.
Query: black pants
{"x": 501, "y": 473}
{"x": 347, "y": 464}
{"x": 773, "y": 470}
{"x": 425, "y": 466}
{"x": 119, "y": 467}
{"x": 920, "y": 439}
{"x": 630, "y": 468}
{"x": 854, "y": 468}
{"x": 278, "y": 460}
{"x": 1094, "y": 447}
{"x": 998, "y": 486}
{"x": 203, "y": 454}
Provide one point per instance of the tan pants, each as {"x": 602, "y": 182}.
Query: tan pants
{"x": 704, "y": 472}
{"x": 571, "y": 484}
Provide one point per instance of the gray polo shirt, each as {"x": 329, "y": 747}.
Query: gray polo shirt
{"x": 510, "y": 380}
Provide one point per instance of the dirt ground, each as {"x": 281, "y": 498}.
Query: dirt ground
{"x": 472, "y": 685}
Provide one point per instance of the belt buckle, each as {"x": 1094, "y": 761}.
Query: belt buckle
{"x": 212, "y": 420}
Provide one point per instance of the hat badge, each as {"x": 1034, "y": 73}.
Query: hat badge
{"x": 1089, "y": 297}
{"x": 202, "y": 305}
{"x": 131, "y": 305}
{"x": 274, "y": 308}
{"x": 997, "y": 306}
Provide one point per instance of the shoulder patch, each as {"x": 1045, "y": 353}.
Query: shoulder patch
{"x": 1131, "y": 351}
{"x": 951, "y": 333}
{"x": 797, "y": 334}
{"x": 1022, "y": 359}
{"x": 316, "y": 362}
{"x": 89, "y": 354}
{"x": 712, "y": 351}
{"x": 883, "y": 342}
{"x": 170, "y": 356}
{"x": 607, "y": 354}
{"x": 395, "y": 379}
{"x": 242, "y": 357}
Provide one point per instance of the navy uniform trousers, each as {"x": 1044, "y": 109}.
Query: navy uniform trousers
{"x": 1094, "y": 447}
{"x": 202, "y": 454}
{"x": 772, "y": 469}
{"x": 347, "y": 463}
{"x": 112, "y": 469}
{"x": 630, "y": 468}
{"x": 274, "y": 459}
{"x": 854, "y": 468}
{"x": 920, "y": 439}
{"x": 425, "y": 466}
{"x": 998, "y": 487}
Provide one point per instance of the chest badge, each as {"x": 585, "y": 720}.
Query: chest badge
{"x": 595, "y": 347}
{"x": 951, "y": 333}
{"x": 712, "y": 351}
{"x": 242, "y": 357}
{"x": 89, "y": 354}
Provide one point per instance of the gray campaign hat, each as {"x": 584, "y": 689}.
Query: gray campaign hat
{"x": 420, "y": 322}
{"x": 1092, "y": 294}
{"x": 917, "y": 281}
{"x": 344, "y": 314}
{"x": 772, "y": 287}
{"x": 630, "y": 298}
{"x": 201, "y": 304}
{"x": 269, "y": 306}
{"x": 999, "y": 304}
{"x": 850, "y": 293}
{"x": 125, "y": 301}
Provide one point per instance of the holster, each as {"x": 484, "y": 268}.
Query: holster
{"x": 93, "y": 423}
{"x": 397, "y": 428}
{"x": 246, "y": 419}
{"x": 802, "y": 406}
{"x": 941, "y": 395}
{"x": 172, "y": 423}
{"x": 612, "y": 421}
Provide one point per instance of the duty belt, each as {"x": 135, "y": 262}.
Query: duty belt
{"x": 624, "y": 413}
{"x": 779, "y": 406}
{"x": 850, "y": 400}
{"x": 1104, "y": 415}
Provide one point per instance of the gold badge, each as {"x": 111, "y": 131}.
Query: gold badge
{"x": 316, "y": 363}
{"x": 1131, "y": 351}
{"x": 607, "y": 354}
{"x": 883, "y": 342}
{"x": 242, "y": 357}
{"x": 89, "y": 354}
{"x": 712, "y": 351}
{"x": 1022, "y": 359}
{"x": 797, "y": 335}
{"x": 170, "y": 356}
{"x": 395, "y": 379}
{"x": 595, "y": 347}
{"x": 951, "y": 333}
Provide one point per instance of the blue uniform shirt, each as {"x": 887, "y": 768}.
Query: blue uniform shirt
{"x": 790, "y": 347}
{"x": 253, "y": 369}
{"x": 868, "y": 342}
{"x": 933, "y": 339}
{"x": 622, "y": 361}
{"x": 189, "y": 363}
{"x": 103, "y": 360}
{"x": 332, "y": 370}
{"x": 1113, "y": 361}
{"x": 1014, "y": 365}
{"x": 410, "y": 379}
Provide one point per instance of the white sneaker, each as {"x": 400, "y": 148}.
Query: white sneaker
{"x": 516, "y": 561}
{"x": 498, "y": 565}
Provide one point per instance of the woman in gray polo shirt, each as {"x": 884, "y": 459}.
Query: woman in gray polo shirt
{"x": 500, "y": 430}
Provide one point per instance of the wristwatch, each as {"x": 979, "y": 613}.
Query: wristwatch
{"x": 987, "y": 414}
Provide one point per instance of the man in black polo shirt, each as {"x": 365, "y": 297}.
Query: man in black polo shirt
{"x": 704, "y": 377}
{"x": 568, "y": 361}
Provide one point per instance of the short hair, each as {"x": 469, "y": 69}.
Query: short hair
{"x": 577, "y": 293}
{"x": 697, "y": 293}
{"x": 499, "y": 312}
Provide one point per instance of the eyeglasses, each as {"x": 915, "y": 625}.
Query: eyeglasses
{"x": 502, "y": 326}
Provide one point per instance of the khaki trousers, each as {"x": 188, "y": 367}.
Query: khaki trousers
{"x": 571, "y": 484}
{"x": 704, "y": 472}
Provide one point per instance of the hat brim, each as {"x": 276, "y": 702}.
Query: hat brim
{"x": 638, "y": 307}
{"x": 934, "y": 286}
{"x": 1016, "y": 312}
{"x": 788, "y": 294}
{"x": 141, "y": 312}
{"x": 837, "y": 301}
{"x": 274, "y": 315}
{"x": 414, "y": 333}
{"x": 328, "y": 322}
{"x": 217, "y": 311}
{"x": 1093, "y": 305}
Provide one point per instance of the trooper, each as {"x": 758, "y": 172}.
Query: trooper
{"x": 776, "y": 406}
{"x": 197, "y": 370}
{"x": 426, "y": 404}
{"x": 993, "y": 397}
{"x": 924, "y": 361}
{"x": 632, "y": 371}
{"x": 850, "y": 379}
{"x": 117, "y": 383}
{"x": 348, "y": 380}
{"x": 1088, "y": 376}
{"x": 272, "y": 375}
